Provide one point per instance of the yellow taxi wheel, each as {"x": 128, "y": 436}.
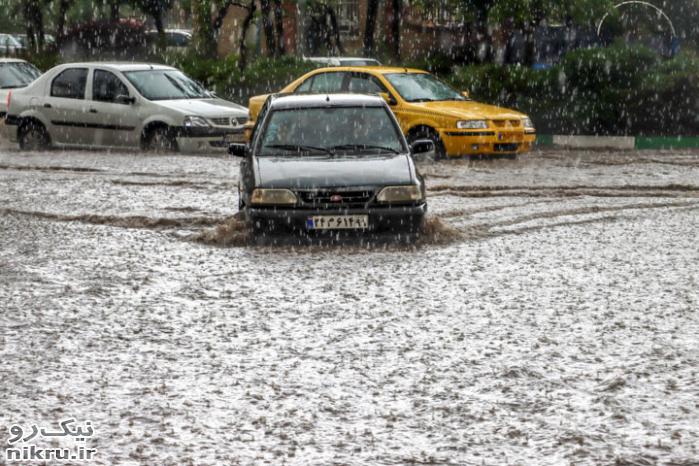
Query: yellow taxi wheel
{"x": 440, "y": 152}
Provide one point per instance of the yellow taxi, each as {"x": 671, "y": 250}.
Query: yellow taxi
{"x": 425, "y": 107}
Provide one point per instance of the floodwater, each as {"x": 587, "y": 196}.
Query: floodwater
{"x": 549, "y": 315}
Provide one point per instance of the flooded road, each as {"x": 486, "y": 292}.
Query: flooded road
{"x": 548, "y": 316}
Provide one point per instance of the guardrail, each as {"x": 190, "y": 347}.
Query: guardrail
{"x": 618, "y": 142}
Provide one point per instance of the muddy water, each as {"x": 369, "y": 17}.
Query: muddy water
{"x": 548, "y": 314}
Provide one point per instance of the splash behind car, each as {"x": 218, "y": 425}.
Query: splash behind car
{"x": 122, "y": 105}
{"x": 323, "y": 163}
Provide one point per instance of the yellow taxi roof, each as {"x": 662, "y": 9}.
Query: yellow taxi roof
{"x": 376, "y": 69}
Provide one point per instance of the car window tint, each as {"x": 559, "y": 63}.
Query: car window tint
{"x": 70, "y": 84}
{"x": 328, "y": 83}
{"x": 178, "y": 40}
{"x": 306, "y": 85}
{"x": 106, "y": 87}
{"x": 364, "y": 84}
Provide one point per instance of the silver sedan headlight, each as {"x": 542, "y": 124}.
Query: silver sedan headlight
{"x": 193, "y": 121}
{"x": 408, "y": 193}
{"x": 528, "y": 123}
{"x": 472, "y": 124}
{"x": 272, "y": 197}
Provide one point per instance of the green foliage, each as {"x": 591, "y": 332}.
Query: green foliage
{"x": 262, "y": 76}
{"x": 618, "y": 90}
{"x": 43, "y": 60}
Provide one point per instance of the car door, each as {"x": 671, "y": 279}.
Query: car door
{"x": 65, "y": 107}
{"x": 111, "y": 116}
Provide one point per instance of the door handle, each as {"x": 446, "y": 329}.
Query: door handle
{"x": 47, "y": 105}
{"x": 92, "y": 110}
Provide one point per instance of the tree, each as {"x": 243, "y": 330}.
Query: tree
{"x": 242, "y": 48}
{"x": 394, "y": 23}
{"x": 370, "y": 27}
{"x": 323, "y": 30}
{"x": 155, "y": 9}
{"x": 203, "y": 41}
{"x": 279, "y": 27}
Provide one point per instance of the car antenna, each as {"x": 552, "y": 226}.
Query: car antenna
{"x": 327, "y": 98}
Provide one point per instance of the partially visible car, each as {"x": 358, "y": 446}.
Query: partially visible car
{"x": 343, "y": 61}
{"x": 150, "y": 106}
{"x": 176, "y": 40}
{"x": 426, "y": 108}
{"x": 14, "y": 74}
{"x": 9, "y": 44}
{"x": 324, "y": 163}
{"x": 23, "y": 39}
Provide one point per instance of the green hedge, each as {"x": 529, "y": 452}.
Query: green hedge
{"x": 262, "y": 76}
{"x": 618, "y": 90}
{"x": 613, "y": 91}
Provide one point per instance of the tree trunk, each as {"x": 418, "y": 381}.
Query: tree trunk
{"x": 63, "y": 7}
{"x": 34, "y": 18}
{"x": 395, "y": 20}
{"x": 266, "y": 11}
{"x": 114, "y": 11}
{"x": 335, "y": 30}
{"x": 279, "y": 26}
{"x": 370, "y": 27}
{"x": 243, "y": 48}
{"x": 160, "y": 27}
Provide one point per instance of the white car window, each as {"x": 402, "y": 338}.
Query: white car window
{"x": 70, "y": 84}
{"x": 106, "y": 87}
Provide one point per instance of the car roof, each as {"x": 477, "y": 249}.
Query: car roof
{"x": 12, "y": 60}
{"x": 381, "y": 69}
{"x": 286, "y": 101}
{"x": 120, "y": 66}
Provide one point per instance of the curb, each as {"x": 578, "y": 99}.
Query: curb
{"x": 618, "y": 142}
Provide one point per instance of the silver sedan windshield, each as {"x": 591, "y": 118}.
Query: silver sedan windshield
{"x": 165, "y": 85}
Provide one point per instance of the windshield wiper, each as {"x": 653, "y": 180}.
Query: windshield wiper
{"x": 16, "y": 86}
{"x": 424, "y": 100}
{"x": 299, "y": 148}
{"x": 363, "y": 146}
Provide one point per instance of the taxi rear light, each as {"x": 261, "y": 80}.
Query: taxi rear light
{"x": 9, "y": 99}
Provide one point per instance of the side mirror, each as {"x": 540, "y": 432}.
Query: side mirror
{"x": 390, "y": 100}
{"x": 421, "y": 146}
{"x": 238, "y": 150}
{"x": 125, "y": 99}
{"x": 466, "y": 94}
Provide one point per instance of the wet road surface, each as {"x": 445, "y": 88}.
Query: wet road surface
{"x": 549, "y": 315}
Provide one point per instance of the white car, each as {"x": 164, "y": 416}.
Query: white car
{"x": 343, "y": 61}
{"x": 176, "y": 40}
{"x": 14, "y": 74}
{"x": 153, "y": 107}
{"x": 10, "y": 44}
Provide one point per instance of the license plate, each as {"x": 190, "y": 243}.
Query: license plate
{"x": 337, "y": 222}
{"x": 510, "y": 137}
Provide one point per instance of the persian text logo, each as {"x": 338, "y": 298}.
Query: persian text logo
{"x": 23, "y": 448}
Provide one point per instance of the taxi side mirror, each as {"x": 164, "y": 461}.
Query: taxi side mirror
{"x": 390, "y": 100}
{"x": 466, "y": 94}
{"x": 238, "y": 150}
